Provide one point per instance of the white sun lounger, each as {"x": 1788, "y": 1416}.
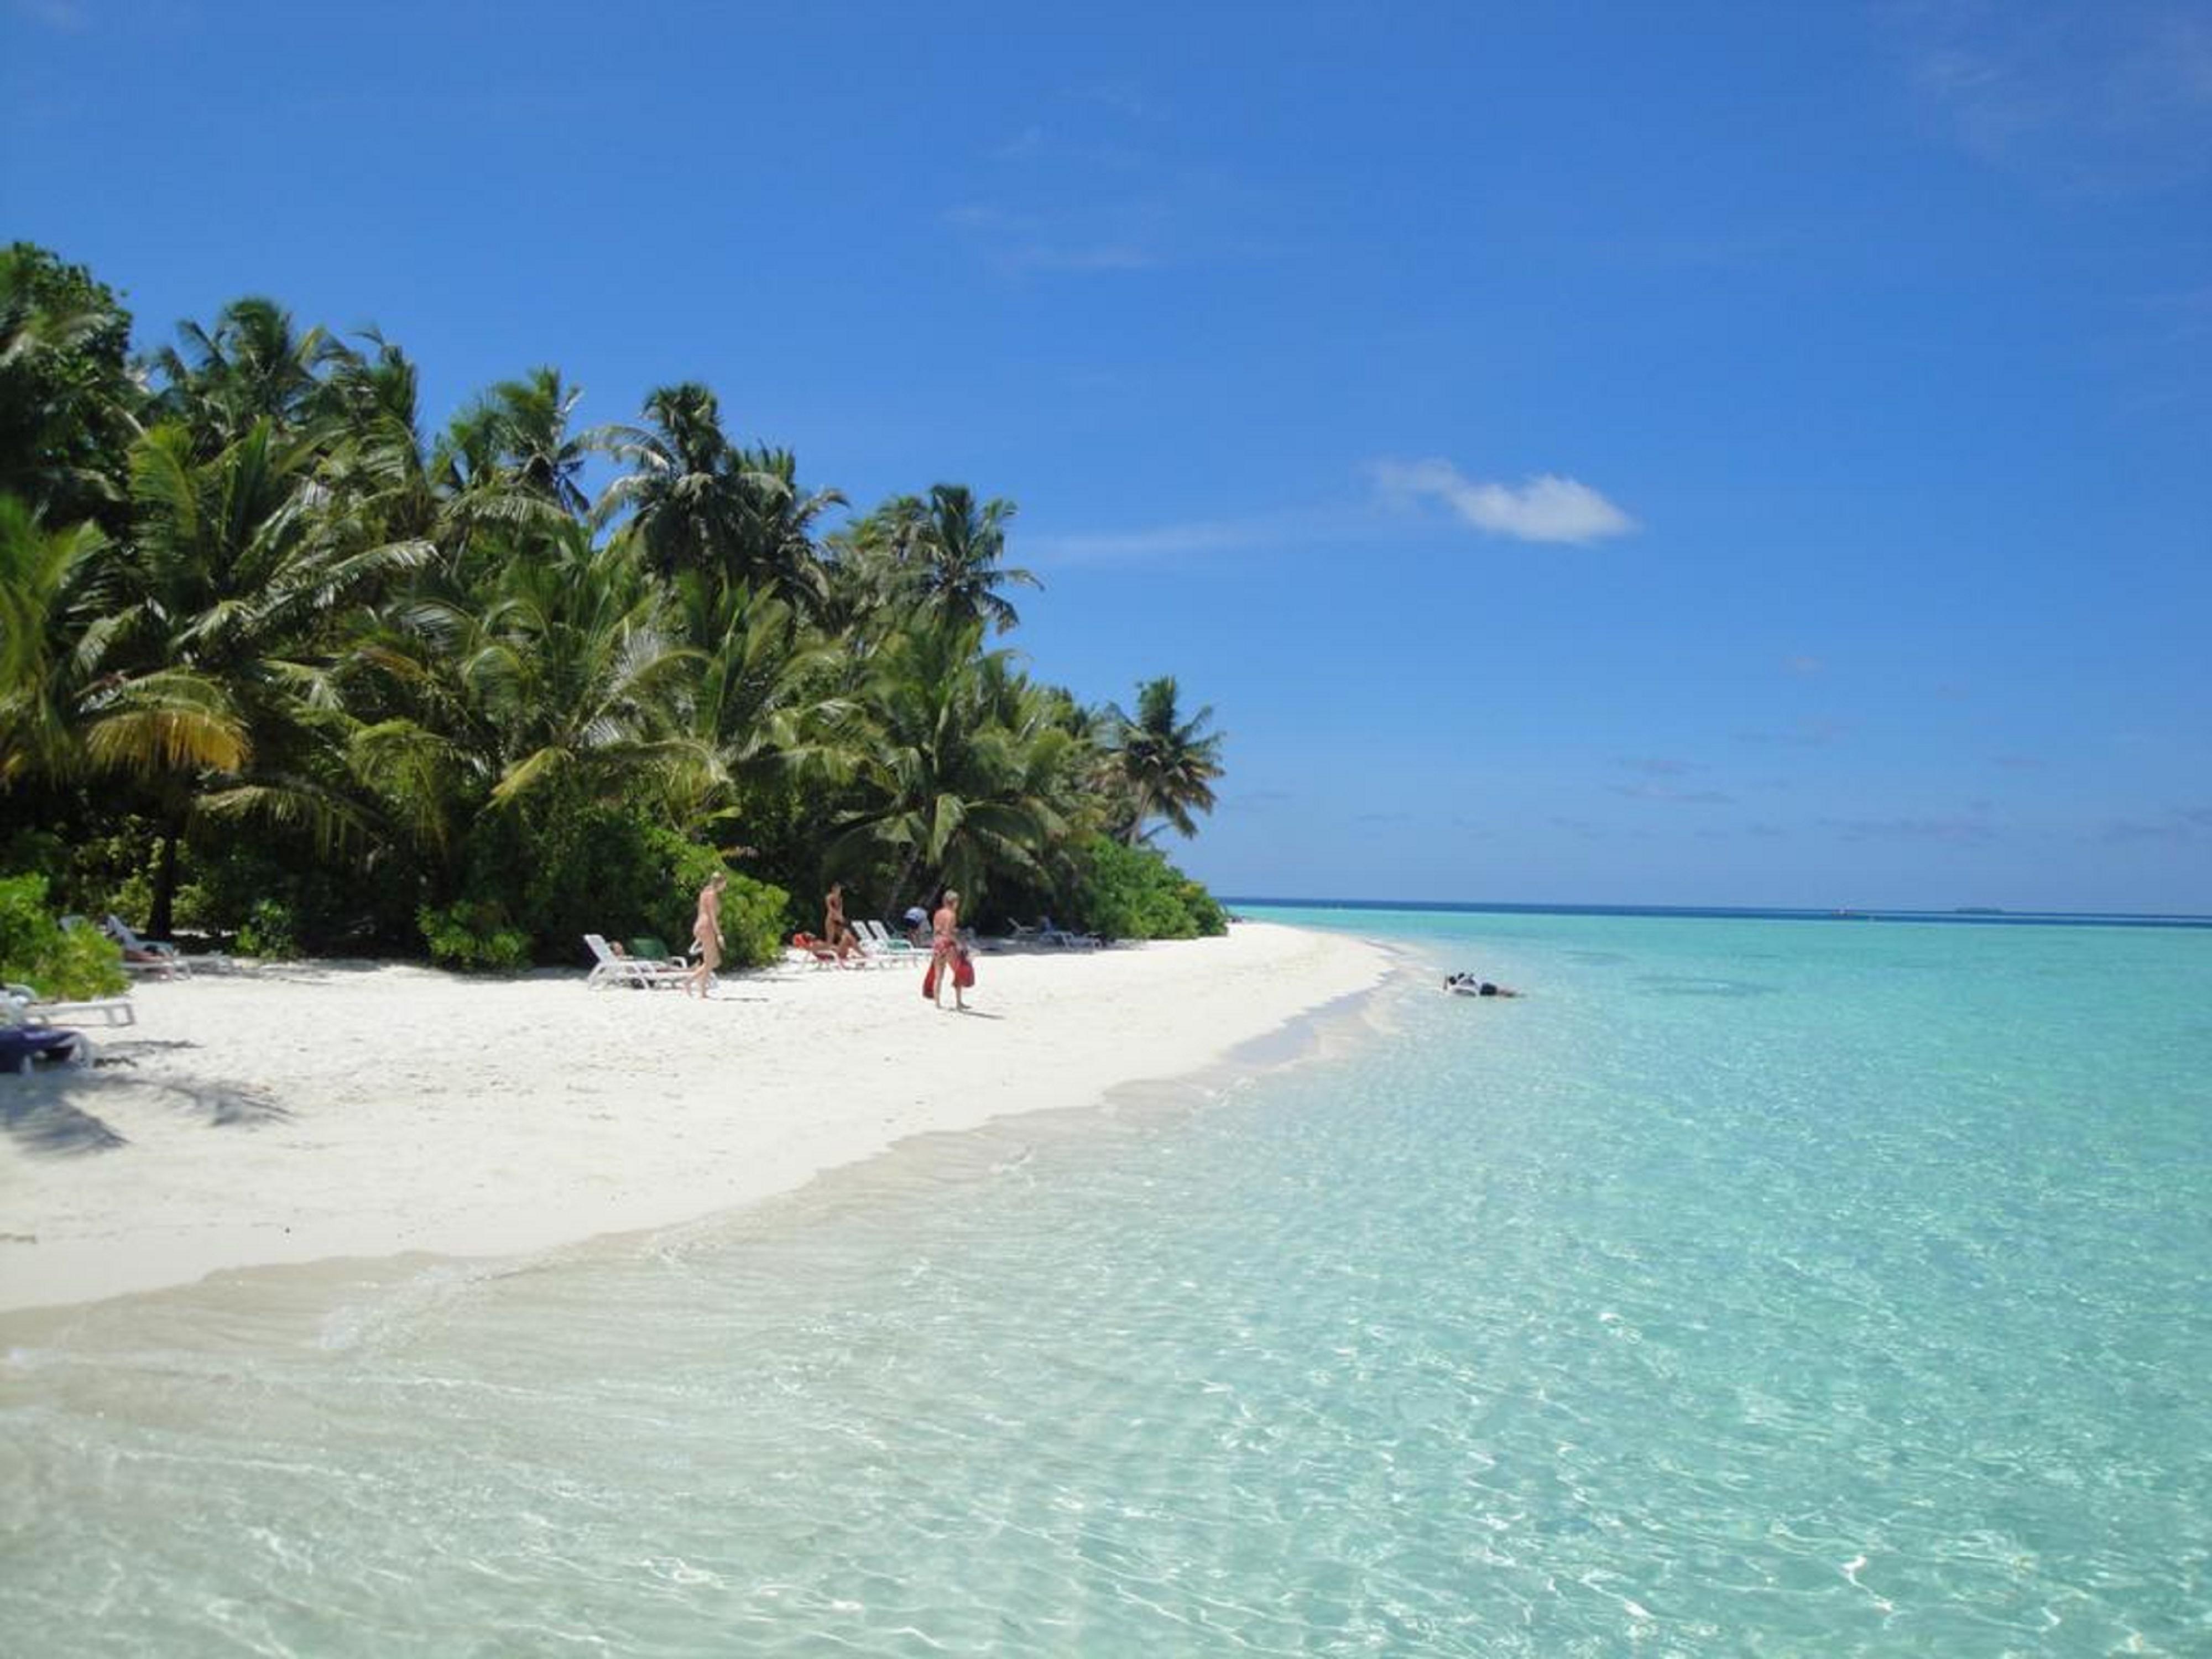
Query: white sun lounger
{"x": 146, "y": 956}
{"x": 31, "y": 1008}
{"x": 883, "y": 945}
{"x": 610, "y": 969}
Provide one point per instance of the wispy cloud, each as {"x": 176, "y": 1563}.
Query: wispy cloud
{"x": 1812, "y": 733}
{"x": 2184, "y": 823}
{"x": 1164, "y": 541}
{"x": 1655, "y": 781}
{"x": 64, "y": 16}
{"x": 1544, "y": 508}
{"x": 2111, "y": 98}
{"x": 1806, "y": 665}
{"x": 1086, "y": 183}
{"x": 1963, "y": 828}
{"x": 1019, "y": 242}
{"x": 1669, "y": 795}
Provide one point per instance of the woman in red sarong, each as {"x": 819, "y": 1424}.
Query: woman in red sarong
{"x": 947, "y": 958}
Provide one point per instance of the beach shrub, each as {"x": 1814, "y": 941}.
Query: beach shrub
{"x": 37, "y": 950}
{"x": 473, "y": 936}
{"x": 88, "y": 872}
{"x": 282, "y": 899}
{"x": 270, "y": 930}
{"x": 753, "y": 912}
{"x": 589, "y": 867}
{"x": 1133, "y": 892}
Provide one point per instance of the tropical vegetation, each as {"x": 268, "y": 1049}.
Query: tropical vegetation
{"x": 280, "y": 663}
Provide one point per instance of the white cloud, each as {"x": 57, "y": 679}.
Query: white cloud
{"x": 1544, "y": 508}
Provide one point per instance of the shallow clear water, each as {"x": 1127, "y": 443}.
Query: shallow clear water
{"x": 1748, "y": 1287}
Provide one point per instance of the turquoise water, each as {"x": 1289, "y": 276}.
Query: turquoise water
{"x": 1748, "y": 1287}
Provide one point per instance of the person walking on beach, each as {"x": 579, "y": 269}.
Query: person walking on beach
{"x": 707, "y": 935}
{"x": 840, "y": 933}
{"x": 945, "y": 952}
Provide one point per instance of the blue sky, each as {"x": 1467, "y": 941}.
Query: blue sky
{"x": 1612, "y": 453}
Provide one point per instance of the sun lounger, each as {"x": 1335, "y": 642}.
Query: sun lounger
{"x": 146, "y": 956}
{"x": 651, "y": 950}
{"x": 20, "y": 1045}
{"x": 29, "y": 1007}
{"x": 610, "y": 967}
{"x": 820, "y": 952}
{"x": 885, "y": 945}
{"x": 1063, "y": 938}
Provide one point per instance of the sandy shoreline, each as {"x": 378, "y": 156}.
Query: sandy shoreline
{"x": 309, "y": 1111}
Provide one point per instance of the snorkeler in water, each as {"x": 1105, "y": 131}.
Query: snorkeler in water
{"x": 1467, "y": 985}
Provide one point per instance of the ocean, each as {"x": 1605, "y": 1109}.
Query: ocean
{"x": 1760, "y": 1286}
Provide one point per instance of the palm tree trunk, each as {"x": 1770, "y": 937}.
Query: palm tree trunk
{"x": 160, "y": 924}
{"x": 898, "y": 887}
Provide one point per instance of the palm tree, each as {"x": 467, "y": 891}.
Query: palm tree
{"x": 253, "y": 365}
{"x": 702, "y": 503}
{"x": 517, "y": 435}
{"x": 682, "y": 489}
{"x": 217, "y": 660}
{"x": 954, "y": 765}
{"x": 1164, "y": 765}
{"x": 563, "y": 671}
{"x": 377, "y": 464}
{"x": 67, "y": 401}
{"x": 776, "y": 543}
{"x": 47, "y": 605}
{"x": 765, "y": 692}
{"x": 942, "y": 555}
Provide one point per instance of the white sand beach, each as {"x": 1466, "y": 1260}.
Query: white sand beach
{"x": 293, "y": 1113}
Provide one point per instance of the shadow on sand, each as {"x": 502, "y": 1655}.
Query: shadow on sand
{"x": 59, "y": 1112}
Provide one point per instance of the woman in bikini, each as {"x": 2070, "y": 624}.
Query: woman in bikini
{"x": 838, "y": 931}
{"x": 707, "y": 935}
{"x": 945, "y": 950}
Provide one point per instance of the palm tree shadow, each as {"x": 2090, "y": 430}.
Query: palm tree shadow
{"x": 45, "y": 1123}
{"x": 229, "y": 1105}
{"x": 55, "y": 1115}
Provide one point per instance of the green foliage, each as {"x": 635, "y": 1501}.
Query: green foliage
{"x": 753, "y": 912}
{"x": 37, "y": 950}
{"x": 84, "y": 962}
{"x": 281, "y": 898}
{"x": 276, "y": 661}
{"x": 269, "y": 931}
{"x": 66, "y": 396}
{"x": 1133, "y": 892}
{"x": 87, "y": 873}
{"x": 473, "y": 936}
